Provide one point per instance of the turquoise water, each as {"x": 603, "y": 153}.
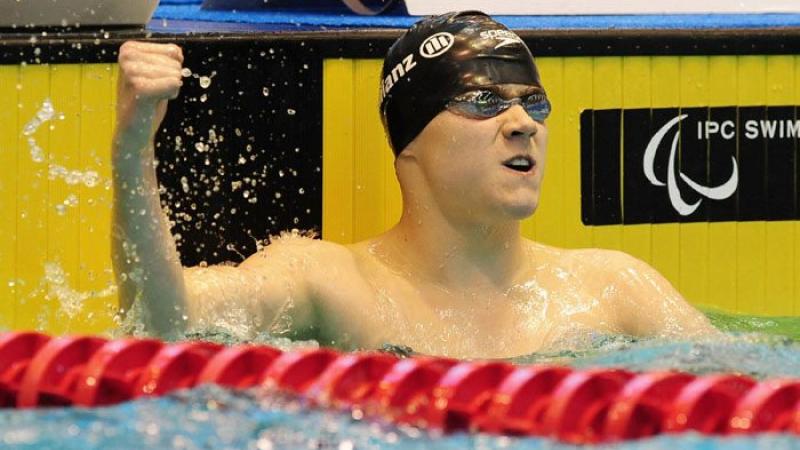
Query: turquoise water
{"x": 213, "y": 418}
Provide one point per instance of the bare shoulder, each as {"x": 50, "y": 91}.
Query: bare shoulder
{"x": 630, "y": 276}
{"x": 615, "y": 257}
{"x": 645, "y": 301}
{"x": 608, "y": 265}
{"x": 299, "y": 251}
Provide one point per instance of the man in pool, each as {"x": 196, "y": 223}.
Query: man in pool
{"x": 465, "y": 113}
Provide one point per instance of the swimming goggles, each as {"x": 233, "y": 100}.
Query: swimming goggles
{"x": 484, "y": 104}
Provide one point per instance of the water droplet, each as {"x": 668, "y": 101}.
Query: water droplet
{"x": 90, "y": 178}
{"x": 71, "y": 200}
{"x": 205, "y": 82}
{"x": 37, "y": 154}
{"x": 291, "y": 112}
{"x": 203, "y": 98}
{"x": 73, "y": 177}
{"x": 186, "y": 72}
{"x": 265, "y": 91}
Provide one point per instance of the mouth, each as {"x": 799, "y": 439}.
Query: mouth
{"x": 521, "y": 163}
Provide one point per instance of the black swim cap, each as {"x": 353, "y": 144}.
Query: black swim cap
{"x": 441, "y": 57}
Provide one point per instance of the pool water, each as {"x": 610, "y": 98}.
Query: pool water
{"x": 212, "y": 417}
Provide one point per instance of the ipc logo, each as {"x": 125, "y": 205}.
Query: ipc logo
{"x": 683, "y": 208}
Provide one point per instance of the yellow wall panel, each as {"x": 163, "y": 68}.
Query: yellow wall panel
{"x": 780, "y": 237}
{"x": 338, "y": 133}
{"x": 796, "y": 101}
{"x": 54, "y": 237}
{"x": 636, "y": 94}
{"x": 369, "y": 198}
{"x": 751, "y": 236}
{"x": 722, "y": 272}
{"x": 63, "y": 210}
{"x": 577, "y": 97}
{"x": 9, "y": 151}
{"x": 693, "y": 266}
{"x": 665, "y": 240}
{"x": 95, "y": 272}
{"x": 607, "y": 89}
{"x": 32, "y": 195}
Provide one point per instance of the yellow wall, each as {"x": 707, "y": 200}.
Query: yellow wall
{"x": 747, "y": 267}
{"x": 33, "y": 232}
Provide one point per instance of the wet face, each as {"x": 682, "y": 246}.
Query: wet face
{"x": 483, "y": 170}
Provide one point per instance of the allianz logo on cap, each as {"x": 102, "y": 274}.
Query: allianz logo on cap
{"x": 436, "y": 44}
{"x": 431, "y": 47}
{"x": 690, "y": 165}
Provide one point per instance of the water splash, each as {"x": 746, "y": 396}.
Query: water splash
{"x": 70, "y": 202}
{"x": 45, "y": 113}
{"x": 88, "y": 178}
{"x": 70, "y": 301}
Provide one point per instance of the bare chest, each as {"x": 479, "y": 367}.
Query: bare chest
{"x": 374, "y": 307}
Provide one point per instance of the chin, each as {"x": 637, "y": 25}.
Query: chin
{"x": 523, "y": 212}
{"x": 522, "y": 205}
{"x": 520, "y": 210}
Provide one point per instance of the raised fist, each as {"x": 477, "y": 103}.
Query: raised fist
{"x": 149, "y": 76}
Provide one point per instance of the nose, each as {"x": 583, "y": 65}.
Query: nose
{"x": 518, "y": 124}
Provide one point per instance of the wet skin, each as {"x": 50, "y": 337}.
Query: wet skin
{"x": 453, "y": 277}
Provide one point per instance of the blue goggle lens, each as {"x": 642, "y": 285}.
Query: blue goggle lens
{"x": 483, "y": 104}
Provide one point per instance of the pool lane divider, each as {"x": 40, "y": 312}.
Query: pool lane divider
{"x": 570, "y": 405}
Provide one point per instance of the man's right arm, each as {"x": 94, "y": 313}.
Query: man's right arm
{"x": 143, "y": 251}
{"x": 144, "y": 254}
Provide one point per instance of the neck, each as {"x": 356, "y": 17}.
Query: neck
{"x": 455, "y": 254}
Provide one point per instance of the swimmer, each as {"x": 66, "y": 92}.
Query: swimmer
{"x": 465, "y": 112}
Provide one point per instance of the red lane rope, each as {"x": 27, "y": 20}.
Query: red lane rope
{"x": 576, "y": 406}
